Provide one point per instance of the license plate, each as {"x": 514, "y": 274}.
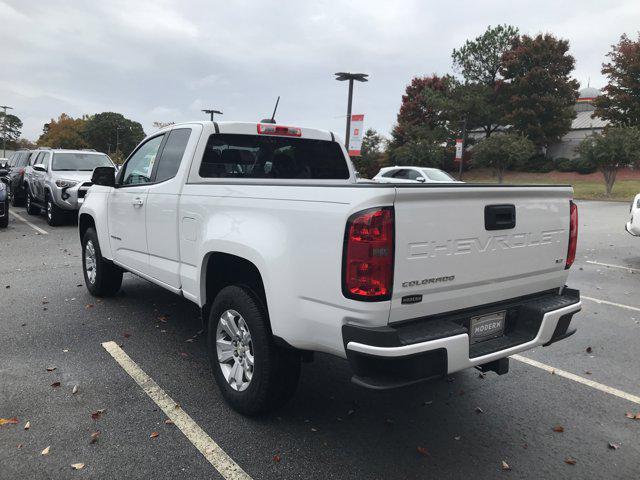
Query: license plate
{"x": 486, "y": 327}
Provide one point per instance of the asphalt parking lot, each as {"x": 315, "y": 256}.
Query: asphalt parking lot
{"x": 461, "y": 427}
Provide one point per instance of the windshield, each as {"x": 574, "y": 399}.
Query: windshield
{"x": 437, "y": 175}
{"x": 80, "y": 161}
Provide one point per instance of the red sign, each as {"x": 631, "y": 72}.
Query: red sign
{"x": 458, "y": 149}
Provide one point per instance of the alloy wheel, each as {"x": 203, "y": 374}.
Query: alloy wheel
{"x": 90, "y": 261}
{"x": 235, "y": 350}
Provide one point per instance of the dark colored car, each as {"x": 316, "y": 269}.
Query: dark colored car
{"x": 15, "y": 178}
{"x": 4, "y": 206}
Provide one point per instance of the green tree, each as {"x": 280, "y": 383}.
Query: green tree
{"x": 617, "y": 147}
{"x": 64, "y": 132}
{"x": 423, "y": 120}
{"x": 479, "y": 60}
{"x": 620, "y": 102}
{"x": 110, "y": 131}
{"x": 540, "y": 93}
{"x": 11, "y": 128}
{"x": 501, "y": 152}
{"x": 369, "y": 161}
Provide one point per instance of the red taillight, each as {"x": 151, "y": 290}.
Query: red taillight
{"x": 368, "y": 255}
{"x": 269, "y": 129}
{"x": 573, "y": 234}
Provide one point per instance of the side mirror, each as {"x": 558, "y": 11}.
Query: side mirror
{"x": 420, "y": 179}
{"x": 39, "y": 167}
{"x": 105, "y": 176}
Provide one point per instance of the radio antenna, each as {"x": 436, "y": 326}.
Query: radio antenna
{"x": 273, "y": 116}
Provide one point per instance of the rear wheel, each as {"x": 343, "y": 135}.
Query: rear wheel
{"x": 4, "y": 221}
{"x": 15, "y": 201}
{"x": 253, "y": 374}
{"x": 102, "y": 278}
{"x": 32, "y": 209}
{"x": 55, "y": 215}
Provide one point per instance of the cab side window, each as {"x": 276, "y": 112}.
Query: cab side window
{"x": 139, "y": 168}
{"x": 413, "y": 174}
{"x": 403, "y": 174}
{"x": 172, "y": 153}
{"x": 45, "y": 160}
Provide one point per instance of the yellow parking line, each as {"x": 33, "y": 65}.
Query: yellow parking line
{"x": 578, "y": 378}
{"x": 36, "y": 228}
{"x": 217, "y": 457}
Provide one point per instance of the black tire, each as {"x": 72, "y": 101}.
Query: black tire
{"x": 108, "y": 277}
{"x": 276, "y": 370}
{"x": 55, "y": 215}
{"x": 15, "y": 200}
{"x": 31, "y": 208}
{"x": 4, "y": 221}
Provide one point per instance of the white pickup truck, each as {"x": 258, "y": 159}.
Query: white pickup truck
{"x": 267, "y": 229}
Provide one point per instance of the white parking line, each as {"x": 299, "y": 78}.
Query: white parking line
{"x": 629, "y": 269}
{"x": 217, "y": 457}
{"x": 579, "y": 379}
{"x": 605, "y": 302}
{"x": 35, "y": 227}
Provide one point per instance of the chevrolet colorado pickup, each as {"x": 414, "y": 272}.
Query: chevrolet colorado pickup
{"x": 267, "y": 229}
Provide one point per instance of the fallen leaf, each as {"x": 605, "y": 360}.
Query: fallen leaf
{"x": 422, "y": 451}
{"x": 482, "y": 375}
{"x": 277, "y": 458}
{"x": 168, "y": 421}
{"x": 162, "y": 318}
{"x": 7, "y": 286}
{"x": 19, "y": 445}
{"x": 479, "y": 410}
{"x": 45, "y": 451}
{"x": 558, "y": 429}
{"x": 458, "y": 437}
{"x": 570, "y": 461}
{"x": 94, "y": 437}
{"x": 189, "y": 340}
{"x": 589, "y": 349}
{"x": 505, "y": 466}
{"x": 51, "y": 369}
{"x": 97, "y": 414}
{"x": 77, "y": 466}
{"x": 89, "y": 305}
{"x": 154, "y": 434}
{"x": 427, "y": 403}
{"x": 126, "y": 334}
{"x": 587, "y": 372}
{"x": 75, "y": 390}
{"x": 314, "y": 429}
{"x": 8, "y": 421}
{"x": 55, "y": 384}
{"x": 27, "y": 425}
{"x": 614, "y": 446}
{"x": 177, "y": 406}
{"x": 184, "y": 354}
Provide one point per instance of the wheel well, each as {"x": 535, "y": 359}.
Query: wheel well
{"x": 84, "y": 223}
{"x": 222, "y": 270}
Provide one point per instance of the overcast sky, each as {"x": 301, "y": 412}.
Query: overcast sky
{"x": 165, "y": 60}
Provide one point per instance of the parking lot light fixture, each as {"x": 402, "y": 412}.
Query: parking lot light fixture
{"x": 351, "y": 77}
{"x": 212, "y": 112}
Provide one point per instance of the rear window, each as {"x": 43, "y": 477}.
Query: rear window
{"x": 438, "y": 176}
{"x": 79, "y": 161}
{"x": 253, "y": 156}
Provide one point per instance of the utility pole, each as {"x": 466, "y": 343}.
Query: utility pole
{"x": 464, "y": 143}
{"x": 211, "y": 112}
{"x": 118, "y": 128}
{"x": 4, "y": 130}
{"x": 341, "y": 77}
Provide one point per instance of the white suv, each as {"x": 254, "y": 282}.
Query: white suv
{"x": 412, "y": 175}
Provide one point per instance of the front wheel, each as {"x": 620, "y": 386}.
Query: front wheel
{"x": 54, "y": 213}
{"x": 32, "y": 209}
{"x": 102, "y": 278}
{"x": 253, "y": 374}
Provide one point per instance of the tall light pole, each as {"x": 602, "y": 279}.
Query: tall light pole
{"x": 211, "y": 112}
{"x": 4, "y": 129}
{"x": 341, "y": 77}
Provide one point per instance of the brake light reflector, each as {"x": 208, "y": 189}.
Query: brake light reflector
{"x": 269, "y": 129}
{"x": 368, "y": 255}
{"x": 573, "y": 234}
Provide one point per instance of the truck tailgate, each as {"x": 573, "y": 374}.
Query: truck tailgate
{"x": 456, "y": 246}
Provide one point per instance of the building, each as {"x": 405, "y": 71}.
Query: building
{"x": 582, "y": 126}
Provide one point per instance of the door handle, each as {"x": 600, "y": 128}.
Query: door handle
{"x": 137, "y": 202}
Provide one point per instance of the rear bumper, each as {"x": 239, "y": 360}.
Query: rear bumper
{"x": 432, "y": 347}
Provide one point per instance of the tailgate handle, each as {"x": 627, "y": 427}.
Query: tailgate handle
{"x": 499, "y": 217}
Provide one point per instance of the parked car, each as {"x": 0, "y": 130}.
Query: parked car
{"x": 412, "y": 175}
{"x": 4, "y": 205}
{"x": 266, "y": 228}
{"x": 18, "y": 162}
{"x": 633, "y": 225}
{"x": 59, "y": 180}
